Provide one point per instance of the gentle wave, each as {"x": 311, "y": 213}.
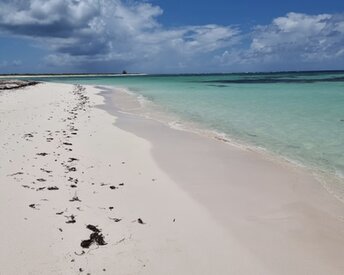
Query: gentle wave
{"x": 148, "y": 109}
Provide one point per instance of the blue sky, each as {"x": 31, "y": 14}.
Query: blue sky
{"x": 243, "y": 12}
{"x": 160, "y": 36}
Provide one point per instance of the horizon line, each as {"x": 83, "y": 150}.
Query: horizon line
{"x": 153, "y": 74}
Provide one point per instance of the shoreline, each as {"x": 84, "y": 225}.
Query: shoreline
{"x": 161, "y": 201}
{"x": 278, "y": 201}
{"x": 331, "y": 182}
{"x": 331, "y": 176}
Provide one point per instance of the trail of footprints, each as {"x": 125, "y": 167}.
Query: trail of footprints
{"x": 64, "y": 141}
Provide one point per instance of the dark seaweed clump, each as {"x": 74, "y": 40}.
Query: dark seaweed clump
{"x": 95, "y": 238}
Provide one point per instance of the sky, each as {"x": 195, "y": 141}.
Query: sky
{"x": 170, "y": 36}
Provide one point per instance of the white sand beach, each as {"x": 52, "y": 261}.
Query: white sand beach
{"x": 86, "y": 189}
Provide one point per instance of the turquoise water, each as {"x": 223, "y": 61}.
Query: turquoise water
{"x": 299, "y": 116}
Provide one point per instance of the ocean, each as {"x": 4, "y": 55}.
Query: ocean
{"x": 298, "y": 116}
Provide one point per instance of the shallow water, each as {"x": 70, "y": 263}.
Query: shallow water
{"x": 299, "y": 116}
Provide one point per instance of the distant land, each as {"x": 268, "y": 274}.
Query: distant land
{"x": 138, "y": 74}
{"x": 69, "y": 75}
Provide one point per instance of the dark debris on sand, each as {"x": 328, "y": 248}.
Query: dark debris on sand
{"x": 115, "y": 219}
{"x": 72, "y": 159}
{"x": 140, "y": 221}
{"x": 70, "y": 219}
{"x": 46, "y": 171}
{"x": 95, "y": 238}
{"x": 15, "y": 174}
{"x": 33, "y": 206}
{"x": 75, "y": 198}
{"x": 15, "y": 84}
{"x": 42, "y": 154}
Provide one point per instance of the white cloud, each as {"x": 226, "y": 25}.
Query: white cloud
{"x": 296, "y": 33}
{"x": 94, "y": 31}
{"x": 118, "y": 34}
{"x": 295, "y": 40}
{"x": 51, "y": 18}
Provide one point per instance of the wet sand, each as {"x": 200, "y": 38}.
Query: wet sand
{"x": 278, "y": 211}
{"x": 84, "y": 191}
